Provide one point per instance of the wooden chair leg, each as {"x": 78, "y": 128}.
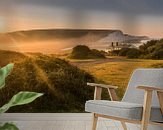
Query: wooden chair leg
{"x": 160, "y": 98}
{"x": 94, "y": 122}
{"x": 146, "y": 110}
{"x": 124, "y": 125}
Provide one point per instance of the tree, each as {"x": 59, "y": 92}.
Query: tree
{"x": 97, "y": 54}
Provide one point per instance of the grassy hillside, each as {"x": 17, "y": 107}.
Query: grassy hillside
{"x": 117, "y": 71}
{"x": 63, "y": 85}
{"x": 10, "y": 56}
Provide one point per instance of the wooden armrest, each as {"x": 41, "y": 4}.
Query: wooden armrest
{"x": 102, "y": 85}
{"x": 147, "y": 88}
{"x": 98, "y": 90}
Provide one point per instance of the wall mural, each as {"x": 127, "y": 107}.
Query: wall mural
{"x": 57, "y": 46}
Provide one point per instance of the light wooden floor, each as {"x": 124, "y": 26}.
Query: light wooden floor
{"x": 57, "y": 121}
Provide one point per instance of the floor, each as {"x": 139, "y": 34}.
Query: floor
{"x": 57, "y": 121}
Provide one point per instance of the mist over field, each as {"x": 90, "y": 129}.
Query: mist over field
{"x": 47, "y": 46}
{"x": 48, "y": 41}
{"x": 57, "y": 40}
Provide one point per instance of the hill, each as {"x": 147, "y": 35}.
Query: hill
{"x": 10, "y": 56}
{"x": 57, "y": 40}
{"x": 51, "y": 34}
{"x": 119, "y": 36}
{"x": 64, "y": 85}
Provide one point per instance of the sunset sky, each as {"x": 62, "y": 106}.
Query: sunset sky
{"x": 138, "y": 17}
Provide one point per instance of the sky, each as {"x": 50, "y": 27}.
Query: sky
{"x": 137, "y": 17}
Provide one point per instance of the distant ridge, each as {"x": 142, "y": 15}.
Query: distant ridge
{"x": 58, "y": 40}
{"x": 49, "y": 34}
{"x": 44, "y": 34}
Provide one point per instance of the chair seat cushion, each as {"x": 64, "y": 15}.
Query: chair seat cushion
{"x": 131, "y": 111}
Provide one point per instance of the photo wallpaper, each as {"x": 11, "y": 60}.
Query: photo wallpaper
{"x": 57, "y": 46}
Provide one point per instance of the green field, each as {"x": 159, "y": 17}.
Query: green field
{"x": 116, "y": 71}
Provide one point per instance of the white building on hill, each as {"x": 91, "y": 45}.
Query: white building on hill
{"x": 117, "y": 40}
{"x": 113, "y": 41}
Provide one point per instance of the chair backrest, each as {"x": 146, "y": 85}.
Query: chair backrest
{"x": 147, "y": 77}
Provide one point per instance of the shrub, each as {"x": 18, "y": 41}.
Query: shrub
{"x": 80, "y": 52}
{"x": 144, "y": 47}
{"x": 83, "y": 52}
{"x": 124, "y": 51}
{"x": 115, "y": 52}
{"x": 152, "y": 50}
{"x": 133, "y": 53}
{"x": 158, "y": 54}
{"x": 97, "y": 54}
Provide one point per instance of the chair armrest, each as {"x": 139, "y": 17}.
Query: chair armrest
{"x": 102, "y": 86}
{"x": 98, "y": 91}
{"x": 147, "y": 88}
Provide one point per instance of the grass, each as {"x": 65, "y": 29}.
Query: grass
{"x": 63, "y": 84}
{"x": 117, "y": 72}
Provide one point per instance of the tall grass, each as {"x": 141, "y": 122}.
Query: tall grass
{"x": 63, "y": 85}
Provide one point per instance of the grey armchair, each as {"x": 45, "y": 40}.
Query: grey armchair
{"x": 141, "y": 104}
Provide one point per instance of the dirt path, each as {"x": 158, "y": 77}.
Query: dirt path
{"x": 97, "y": 61}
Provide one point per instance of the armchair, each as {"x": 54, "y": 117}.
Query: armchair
{"x": 137, "y": 106}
